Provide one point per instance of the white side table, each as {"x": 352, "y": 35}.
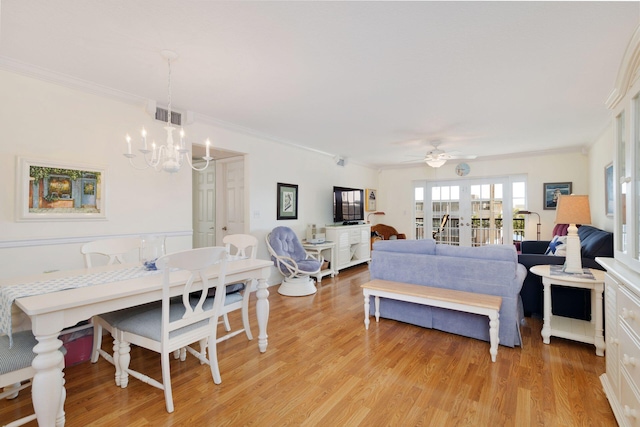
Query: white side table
{"x": 564, "y": 327}
{"x": 327, "y": 250}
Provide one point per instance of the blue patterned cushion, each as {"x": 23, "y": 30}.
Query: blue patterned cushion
{"x": 148, "y": 323}
{"x": 20, "y": 355}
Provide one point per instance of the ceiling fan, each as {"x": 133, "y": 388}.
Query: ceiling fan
{"x": 437, "y": 157}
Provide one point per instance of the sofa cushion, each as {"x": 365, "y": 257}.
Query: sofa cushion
{"x": 595, "y": 242}
{"x": 422, "y": 246}
{"x": 557, "y": 246}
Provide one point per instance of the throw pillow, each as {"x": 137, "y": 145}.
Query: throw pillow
{"x": 557, "y": 246}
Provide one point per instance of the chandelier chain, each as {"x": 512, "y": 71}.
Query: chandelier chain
{"x": 169, "y": 95}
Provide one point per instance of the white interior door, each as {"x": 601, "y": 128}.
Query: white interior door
{"x": 231, "y": 203}
{"x": 204, "y": 203}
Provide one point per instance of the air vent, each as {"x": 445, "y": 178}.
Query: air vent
{"x": 161, "y": 114}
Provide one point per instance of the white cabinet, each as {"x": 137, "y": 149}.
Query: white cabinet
{"x": 621, "y": 381}
{"x": 353, "y": 244}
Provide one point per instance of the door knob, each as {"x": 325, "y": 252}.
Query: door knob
{"x": 224, "y": 228}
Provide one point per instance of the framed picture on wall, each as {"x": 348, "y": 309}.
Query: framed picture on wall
{"x": 371, "y": 199}
{"x": 552, "y": 190}
{"x": 608, "y": 189}
{"x": 287, "y": 201}
{"x": 50, "y": 190}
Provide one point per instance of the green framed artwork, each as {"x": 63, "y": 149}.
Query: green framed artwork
{"x": 51, "y": 190}
{"x": 287, "y": 201}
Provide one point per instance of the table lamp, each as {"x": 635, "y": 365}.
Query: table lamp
{"x": 374, "y": 213}
{"x": 572, "y": 210}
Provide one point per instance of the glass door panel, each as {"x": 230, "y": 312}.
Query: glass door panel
{"x": 486, "y": 220}
{"x": 469, "y": 213}
{"x": 445, "y": 214}
{"x": 621, "y": 183}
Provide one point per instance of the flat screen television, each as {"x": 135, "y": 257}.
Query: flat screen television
{"x": 348, "y": 205}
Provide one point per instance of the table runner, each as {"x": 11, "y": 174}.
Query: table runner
{"x": 8, "y": 294}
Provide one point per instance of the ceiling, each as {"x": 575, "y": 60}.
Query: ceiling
{"x": 370, "y": 81}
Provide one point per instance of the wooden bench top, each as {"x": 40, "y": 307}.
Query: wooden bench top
{"x": 440, "y": 294}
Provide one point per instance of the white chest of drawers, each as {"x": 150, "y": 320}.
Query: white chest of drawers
{"x": 621, "y": 381}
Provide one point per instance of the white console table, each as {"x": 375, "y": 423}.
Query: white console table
{"x": 327, "y": 250}
{"x": 353, "y": 244}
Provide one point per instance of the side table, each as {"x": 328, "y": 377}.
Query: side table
{"x": 564, "y": 327}
{"x": 324, "y": 249}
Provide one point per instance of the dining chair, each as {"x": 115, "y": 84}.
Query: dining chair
{"x": 16, "y": 371}
{"x": 114, "y": 250}
{"x": 178, "y": 322}
{"x": 238, "y": 246}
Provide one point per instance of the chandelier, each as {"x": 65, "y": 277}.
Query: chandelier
{"x": 170, "y": 156}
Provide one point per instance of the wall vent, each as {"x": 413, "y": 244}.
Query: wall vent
{"x": 162, "y": 114}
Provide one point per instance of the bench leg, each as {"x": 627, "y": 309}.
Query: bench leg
{"x": 366, "y": 309}
{"x": 377, "y": 302}
{"x": 494, "y": 328}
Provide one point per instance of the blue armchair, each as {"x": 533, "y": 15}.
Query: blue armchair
{"x": 295, "y": 264}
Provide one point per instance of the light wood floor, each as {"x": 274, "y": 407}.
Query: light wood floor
{"x": 323, "y": 369}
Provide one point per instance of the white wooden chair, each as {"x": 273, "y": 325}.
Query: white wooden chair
{"x": 16, "y": 372}
{"x": 114, "y": 250}
{"x": 239, "y": 246}
{"x": 179, "y": 322}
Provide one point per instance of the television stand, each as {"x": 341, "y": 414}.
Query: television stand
{"x": 353, "y": 244}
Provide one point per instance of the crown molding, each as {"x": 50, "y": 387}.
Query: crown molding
{"x": 68, "y": 81}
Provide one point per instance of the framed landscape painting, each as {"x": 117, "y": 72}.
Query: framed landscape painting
{"x": 49, "y": 190}
{"x": 287, "y": 201}
{"x": 553, "y": 190}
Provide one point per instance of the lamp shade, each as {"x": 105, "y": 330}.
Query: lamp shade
{"x": 573, "y": 209}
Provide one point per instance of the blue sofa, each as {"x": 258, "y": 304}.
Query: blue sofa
{"x": 492, "y": 270}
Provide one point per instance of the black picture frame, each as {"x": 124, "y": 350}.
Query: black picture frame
{"x": 551, "y": 191}
{"x": 287, "y": 201}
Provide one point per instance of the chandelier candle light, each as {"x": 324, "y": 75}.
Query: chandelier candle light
{"x": 168, "y": 157}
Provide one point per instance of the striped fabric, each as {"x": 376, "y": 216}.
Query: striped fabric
{"x": 8, "y": 294}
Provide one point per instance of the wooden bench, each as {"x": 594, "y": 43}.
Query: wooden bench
{"x": 470, "y": 302}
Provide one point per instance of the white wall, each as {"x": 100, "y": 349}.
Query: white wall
{"x": 600, "y": 155}
{"x": 395, "y": 192}
{"x": 43, "y": 120}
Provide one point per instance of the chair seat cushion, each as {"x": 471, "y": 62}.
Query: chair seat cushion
{"x": 305, "y": 266}
{"x": 147, "y": 323}
{"x": 20, "y": 355}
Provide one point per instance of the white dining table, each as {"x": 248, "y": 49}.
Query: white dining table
{"x": 52, "y": 312}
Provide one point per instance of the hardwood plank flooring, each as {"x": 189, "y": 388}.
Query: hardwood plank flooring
{"x": 322, "y": 368}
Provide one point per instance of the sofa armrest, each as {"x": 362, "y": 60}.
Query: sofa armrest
{"x": 534, "y": 247}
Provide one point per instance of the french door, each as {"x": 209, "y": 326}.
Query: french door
{"x": 469, "y": 212}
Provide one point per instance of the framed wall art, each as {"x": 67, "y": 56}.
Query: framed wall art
{"x": 287, "y": 201}
{"x": 49, "y": 190}
{"x": 608, "y": 189}
{"x": 371, "y": 199}
{"x": 552, "y": 190}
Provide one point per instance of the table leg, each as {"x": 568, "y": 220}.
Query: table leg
{"x": 494, "y": 328}
{"x": 262, "y": 312}
{"x": 47, "y": 389}
{"x": 377, "y": 304}
{"x": 599, "y": 338}
{"x": 366, "y": 309}
{"x": 546, "y": 327}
